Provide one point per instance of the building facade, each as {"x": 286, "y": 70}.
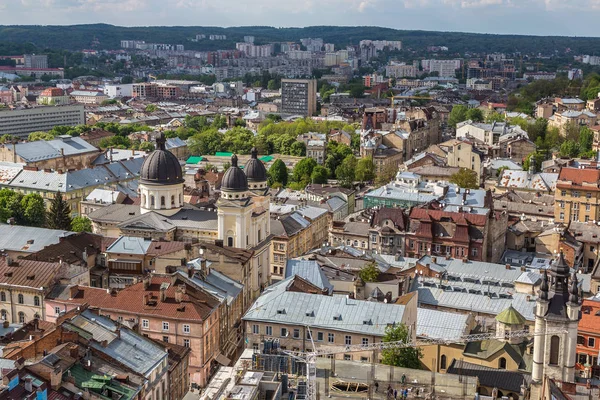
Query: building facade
{"x": 299, "y": 96}
{"x": 21, "y": 123}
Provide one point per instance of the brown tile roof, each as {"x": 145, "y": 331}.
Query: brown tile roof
{"x": 96, "y": 134}
{"x": 394, "y": 214}
{"x": 71, "y": 248}
{"x": 424, "y": 214}
{"x": 27, "y": 273}
{"x": 240, "y": 255}
{"x": 195, "y": 306}
{"x": 52, "y": 92}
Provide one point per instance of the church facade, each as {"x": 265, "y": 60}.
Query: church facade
{"x": 241, "y": 219}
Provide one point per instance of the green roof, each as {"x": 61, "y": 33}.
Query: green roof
{"x": 223, "y": 154}
{"x": 510, "y": 316}
{"x": 194, "y": 159}
{"x": 266, "y": 159}
{"x": 87, "y": 379}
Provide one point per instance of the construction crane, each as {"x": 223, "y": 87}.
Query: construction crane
{"x": 310, "y": 357}
{"x": 152, "y": 77}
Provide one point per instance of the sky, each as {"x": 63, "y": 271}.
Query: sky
{"x": 536, "y": 17}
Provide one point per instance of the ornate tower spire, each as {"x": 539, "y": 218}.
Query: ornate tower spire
{"x": 543, "y": 292}
{"x": 574, "y": 289}
{"x": 560, "y": 275}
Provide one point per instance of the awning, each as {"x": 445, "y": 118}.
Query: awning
{"x": 221, "y": 359}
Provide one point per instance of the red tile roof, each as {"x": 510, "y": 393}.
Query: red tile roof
{"x": 577, "y": 177}
{"x": 195, "y": 306}
{"x": 52, "y": 92}
{"x": 590, "y": 322}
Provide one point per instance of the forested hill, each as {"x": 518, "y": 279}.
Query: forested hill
{"x": 77, "y": 37}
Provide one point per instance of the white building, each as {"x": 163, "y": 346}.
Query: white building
{"x": 444, "y": 68}
{"x": 120, "y": 90}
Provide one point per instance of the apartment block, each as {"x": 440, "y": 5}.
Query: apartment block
{"x": 299, "y": 96}
{"x": 22, "y": 122}
{"x": 577, "y": 196}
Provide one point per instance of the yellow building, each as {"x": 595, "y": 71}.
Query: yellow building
{"x": 577, "y": 196}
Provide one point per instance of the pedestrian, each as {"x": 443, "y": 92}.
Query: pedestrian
{"x": 403, "y": 379}
{"x": 376, "y": 386}
{"x": 395, "y": 394}
{"x": 405, "y": 393}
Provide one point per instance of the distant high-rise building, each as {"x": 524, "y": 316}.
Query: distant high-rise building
{"x": 249, "y": 39}
{"x": 299, "y": 96}
{"x": 36, "y": 61}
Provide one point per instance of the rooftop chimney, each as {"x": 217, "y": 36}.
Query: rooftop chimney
{"x": 163, "y": 294}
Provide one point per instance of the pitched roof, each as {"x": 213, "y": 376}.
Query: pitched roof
{"x": 569, "y": 177}
{"x": 28, "y": 239}
{"x": 510, "y": 316}
{"x": 28, "y": 273}
{"x": 425, "y": 214}
{"x": 490, "y": 377}
{"x": 196, "y": 304}
{"x": 71, "y": 248}
{"x": 49, "y": 149}
{"x": 337, "y": 312}
{"x": 309, "y": 270}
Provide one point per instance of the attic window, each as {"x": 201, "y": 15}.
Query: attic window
{"x": 310, "y": 314}
{"x": 369, "y": 322}
{"x": 282, "y": 311}
{"x": 31, "y": 277}
{"x": 337, "y": 317}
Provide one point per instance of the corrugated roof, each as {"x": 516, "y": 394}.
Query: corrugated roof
{"x": 130, "y": 245}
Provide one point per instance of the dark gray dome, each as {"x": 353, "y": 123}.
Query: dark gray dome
{"x": 234, "y": 179}
{"x": 161, "y": 167}
{"x": 255, "y": 169}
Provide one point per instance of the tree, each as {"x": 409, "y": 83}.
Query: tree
{"x": 303, "y": 170}
{"x": 458, "y": 114}
{"x": 365, "y": 170}
{"x": 278, "y": 173}
{"x": 369, "y": 273}
{"x": 389, "y": 172}
{"x": 357, "y": 90}
{"x": 33, "y": 136}
{"x": 586, "y": 138}
{"x": 465, "y": 178}
{"x": 205, "y": 143}
{"x": 127, "y": 79}
{"x": 536, "y": 158}
{"x": 345, "y": 173}
{"x": 238, "y": 140}
{"x": 7, "y": 138}
{"x": 475, "y": 115}
{"x": 81, "y": 224}
{"x": 297, "y": 149}
{"x": 571, "y": 131}
{"x": 569, "y": 148}
{"x": 147, "y": 146}
{"x": 404, "y": 357}
{"x": 319, "y": 175}
{"x": 537, "y": 129}
{"x": 34, "y": 210}
{"x": 494, "y": 117}
{"x": 59, "y": 215}
{"x": 272, "y": 85}
{"x": 151, "y": 108}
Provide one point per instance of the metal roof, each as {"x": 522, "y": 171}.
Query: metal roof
{"x": 140, "y": 354}
{"x": 129, "y": 245}
{"x": 46, "y": 150}
{"x": 308, "y": 270}
{"x": 337, "y": 312}
{"x": 28, "y": 239}
{"x": 441, "y": 324}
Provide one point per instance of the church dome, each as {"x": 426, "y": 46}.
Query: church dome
{"x": 234, "y": 179}
{"x": 161, "y": 167}
{"x": 255, "y": 169}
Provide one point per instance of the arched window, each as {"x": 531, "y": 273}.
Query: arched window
{"x": 2, "y": 296}
{"x": 21, "y": 317}
{"x": 173, "y": 200}
{"x": 443, "y": 362}
{"x": 230, "y": 241}
{"x": 554, "y": 349}
{"x": 502, "y": 363}
{"x": 152, "y": 201}
{"x": 20, "y": 299}
{"x": 355, "y": 244}
{"x": 162, "y": 201}
{"x": 36, "y": 301}
{"x": 3, "y": 315}
{"x": 144, "y": 199}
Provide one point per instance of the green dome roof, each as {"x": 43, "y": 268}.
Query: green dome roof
{"x": 510, "y": 316}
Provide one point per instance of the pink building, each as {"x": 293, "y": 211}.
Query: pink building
{"x": 171, "y": 308}
{"x": 6, "y": 96}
